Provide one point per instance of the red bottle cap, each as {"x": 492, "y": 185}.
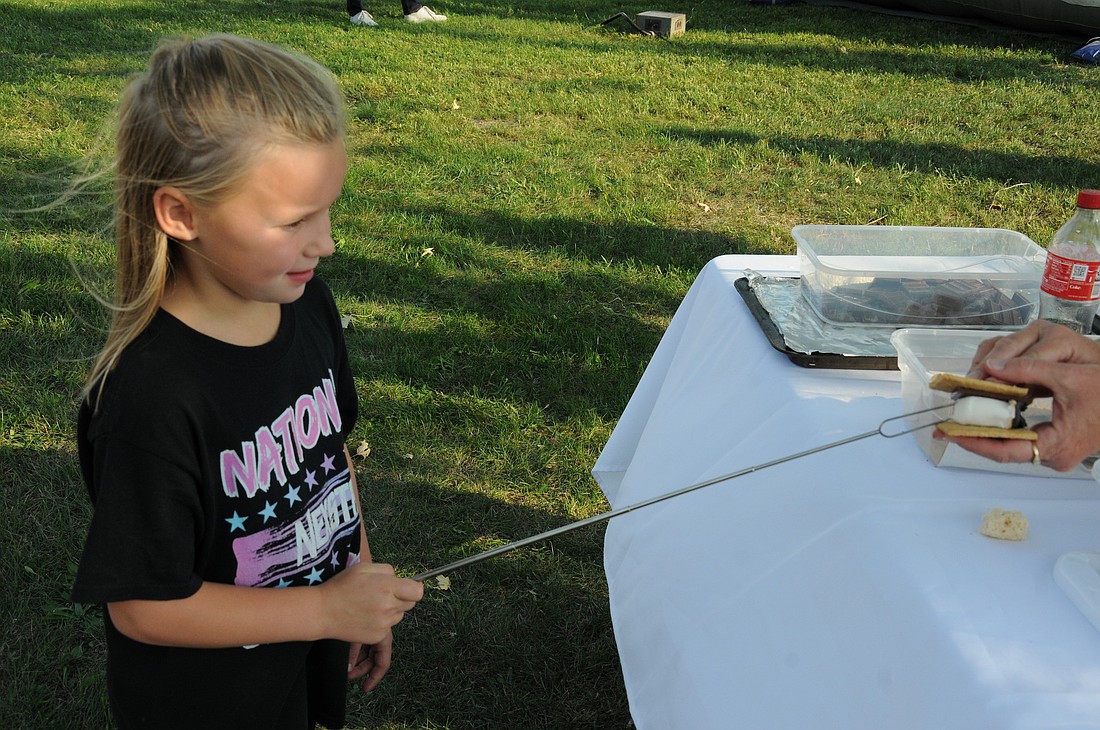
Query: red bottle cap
{"x": 1088, "y": 199}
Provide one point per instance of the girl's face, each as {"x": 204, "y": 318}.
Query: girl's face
{"x": 261, "y": 245}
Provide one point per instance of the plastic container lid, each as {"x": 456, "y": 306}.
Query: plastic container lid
{"x": 1088, "y": 199}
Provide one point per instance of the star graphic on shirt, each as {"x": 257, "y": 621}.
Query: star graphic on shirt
{"x": 311, "y": 479}
{"x": 314, "y": 576}
{"x": 292, "y": 495}
{"x": 335, "y": 561}
{"x": 268, "y": 512}
{"x": 327, "y": 463}
{"x": 236, "y": 522}
{"x": 283, "y": 583}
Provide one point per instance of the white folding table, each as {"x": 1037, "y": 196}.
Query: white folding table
{"x": 847, "y": 589}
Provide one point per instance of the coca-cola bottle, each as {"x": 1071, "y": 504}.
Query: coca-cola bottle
{"x": 1070, "y": 290}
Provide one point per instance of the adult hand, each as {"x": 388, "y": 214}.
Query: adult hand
{"x": 1054, "y": 361}
{"x": 1040, "y": 340}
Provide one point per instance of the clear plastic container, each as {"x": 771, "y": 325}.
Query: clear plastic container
{"x": 914, "y": 276}
{"x": 924, "y": 352}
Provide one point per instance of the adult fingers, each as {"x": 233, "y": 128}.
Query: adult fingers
{"x": 1041, "y": 340}
{"x": 984, "y": 348}
{"x": 1029, "y": 371}
{"x": 1074, "y": 428}
{"x": 1005, "y": 347}
{"x": 1005, "y": 451}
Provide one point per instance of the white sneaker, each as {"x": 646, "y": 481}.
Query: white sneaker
{"x": 425, "y": 15}
{"x": 363, "y": 18}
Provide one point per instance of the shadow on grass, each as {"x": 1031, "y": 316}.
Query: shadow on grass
{"x": 52, "y": 667}
{"x": 730, "y": 16}
{"x": 489, "y": 648}
{"x": 59, "y": 31}
{"x": 521, "y": 640}
{"x": 41, "y": 36}
{"x": 747, "y": 44}
{"x": 570, "y": 340}
{"x": 37, "y": 192}
{"x": 453, "y": 524}
{"x": 742, "y": 20}
{"x": 1069, "y": 172}
{"x": 52, "y": 324}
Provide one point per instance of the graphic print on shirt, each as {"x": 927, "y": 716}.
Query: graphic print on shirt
{"x": 306, "y": 512}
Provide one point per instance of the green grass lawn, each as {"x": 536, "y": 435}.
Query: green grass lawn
{"x": 529, "y": 197}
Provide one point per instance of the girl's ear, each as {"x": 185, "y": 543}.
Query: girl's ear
{"x": 175, "y": 213}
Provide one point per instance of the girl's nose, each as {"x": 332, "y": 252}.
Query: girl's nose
{"x": 323, "y": 244}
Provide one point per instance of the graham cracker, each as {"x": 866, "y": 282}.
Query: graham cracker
{"x": 960, "y": 429}
{"x": 951, "y": 383}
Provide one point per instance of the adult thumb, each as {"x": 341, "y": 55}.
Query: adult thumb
{"x": 1024, "y": 371}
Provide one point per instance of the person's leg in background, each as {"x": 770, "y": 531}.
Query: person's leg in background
{"x": 413, "y": 10}
{"x": 357, "y": 15}
{"x": 417, "y": 13}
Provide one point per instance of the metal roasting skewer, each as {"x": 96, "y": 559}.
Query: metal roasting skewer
{"x": 605, "y": 516}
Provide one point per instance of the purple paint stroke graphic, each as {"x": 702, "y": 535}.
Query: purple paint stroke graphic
{"x": 294, "y": 549}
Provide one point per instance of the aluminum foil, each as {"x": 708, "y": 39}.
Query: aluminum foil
{"x": 804, "y": 331}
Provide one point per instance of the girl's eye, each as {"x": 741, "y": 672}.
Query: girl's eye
{"x": 296, "y": 223}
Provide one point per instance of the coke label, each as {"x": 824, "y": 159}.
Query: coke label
{"x": 1069, "y": 279}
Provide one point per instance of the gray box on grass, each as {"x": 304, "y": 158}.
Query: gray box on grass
{"x": 661, "y": 23}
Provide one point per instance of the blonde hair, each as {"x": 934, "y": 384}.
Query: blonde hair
{"x": 197, "y": 119}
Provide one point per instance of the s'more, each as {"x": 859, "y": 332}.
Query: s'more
{"x": 984, "y": 408}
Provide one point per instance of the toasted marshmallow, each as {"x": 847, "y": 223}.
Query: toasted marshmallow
{"x": 977, "y": 411}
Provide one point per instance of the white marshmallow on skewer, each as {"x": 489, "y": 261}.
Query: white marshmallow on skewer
{"x": 978, "y": 411}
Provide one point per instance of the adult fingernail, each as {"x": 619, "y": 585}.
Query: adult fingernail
{"x": 995, "y": 364}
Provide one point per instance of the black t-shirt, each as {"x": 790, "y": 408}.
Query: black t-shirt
{"x": 207, "y": 461}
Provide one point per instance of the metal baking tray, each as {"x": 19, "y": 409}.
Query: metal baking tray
{"x": 812, "y": 359}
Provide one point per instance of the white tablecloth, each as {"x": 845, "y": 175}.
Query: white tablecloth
{"x": 848, "y": 589}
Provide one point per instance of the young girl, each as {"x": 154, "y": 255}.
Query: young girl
{"x": 226, "y": 541}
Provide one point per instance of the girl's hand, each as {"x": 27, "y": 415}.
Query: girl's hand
{"x": 371, "y": 662}
{"x": 362, "y": 603}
